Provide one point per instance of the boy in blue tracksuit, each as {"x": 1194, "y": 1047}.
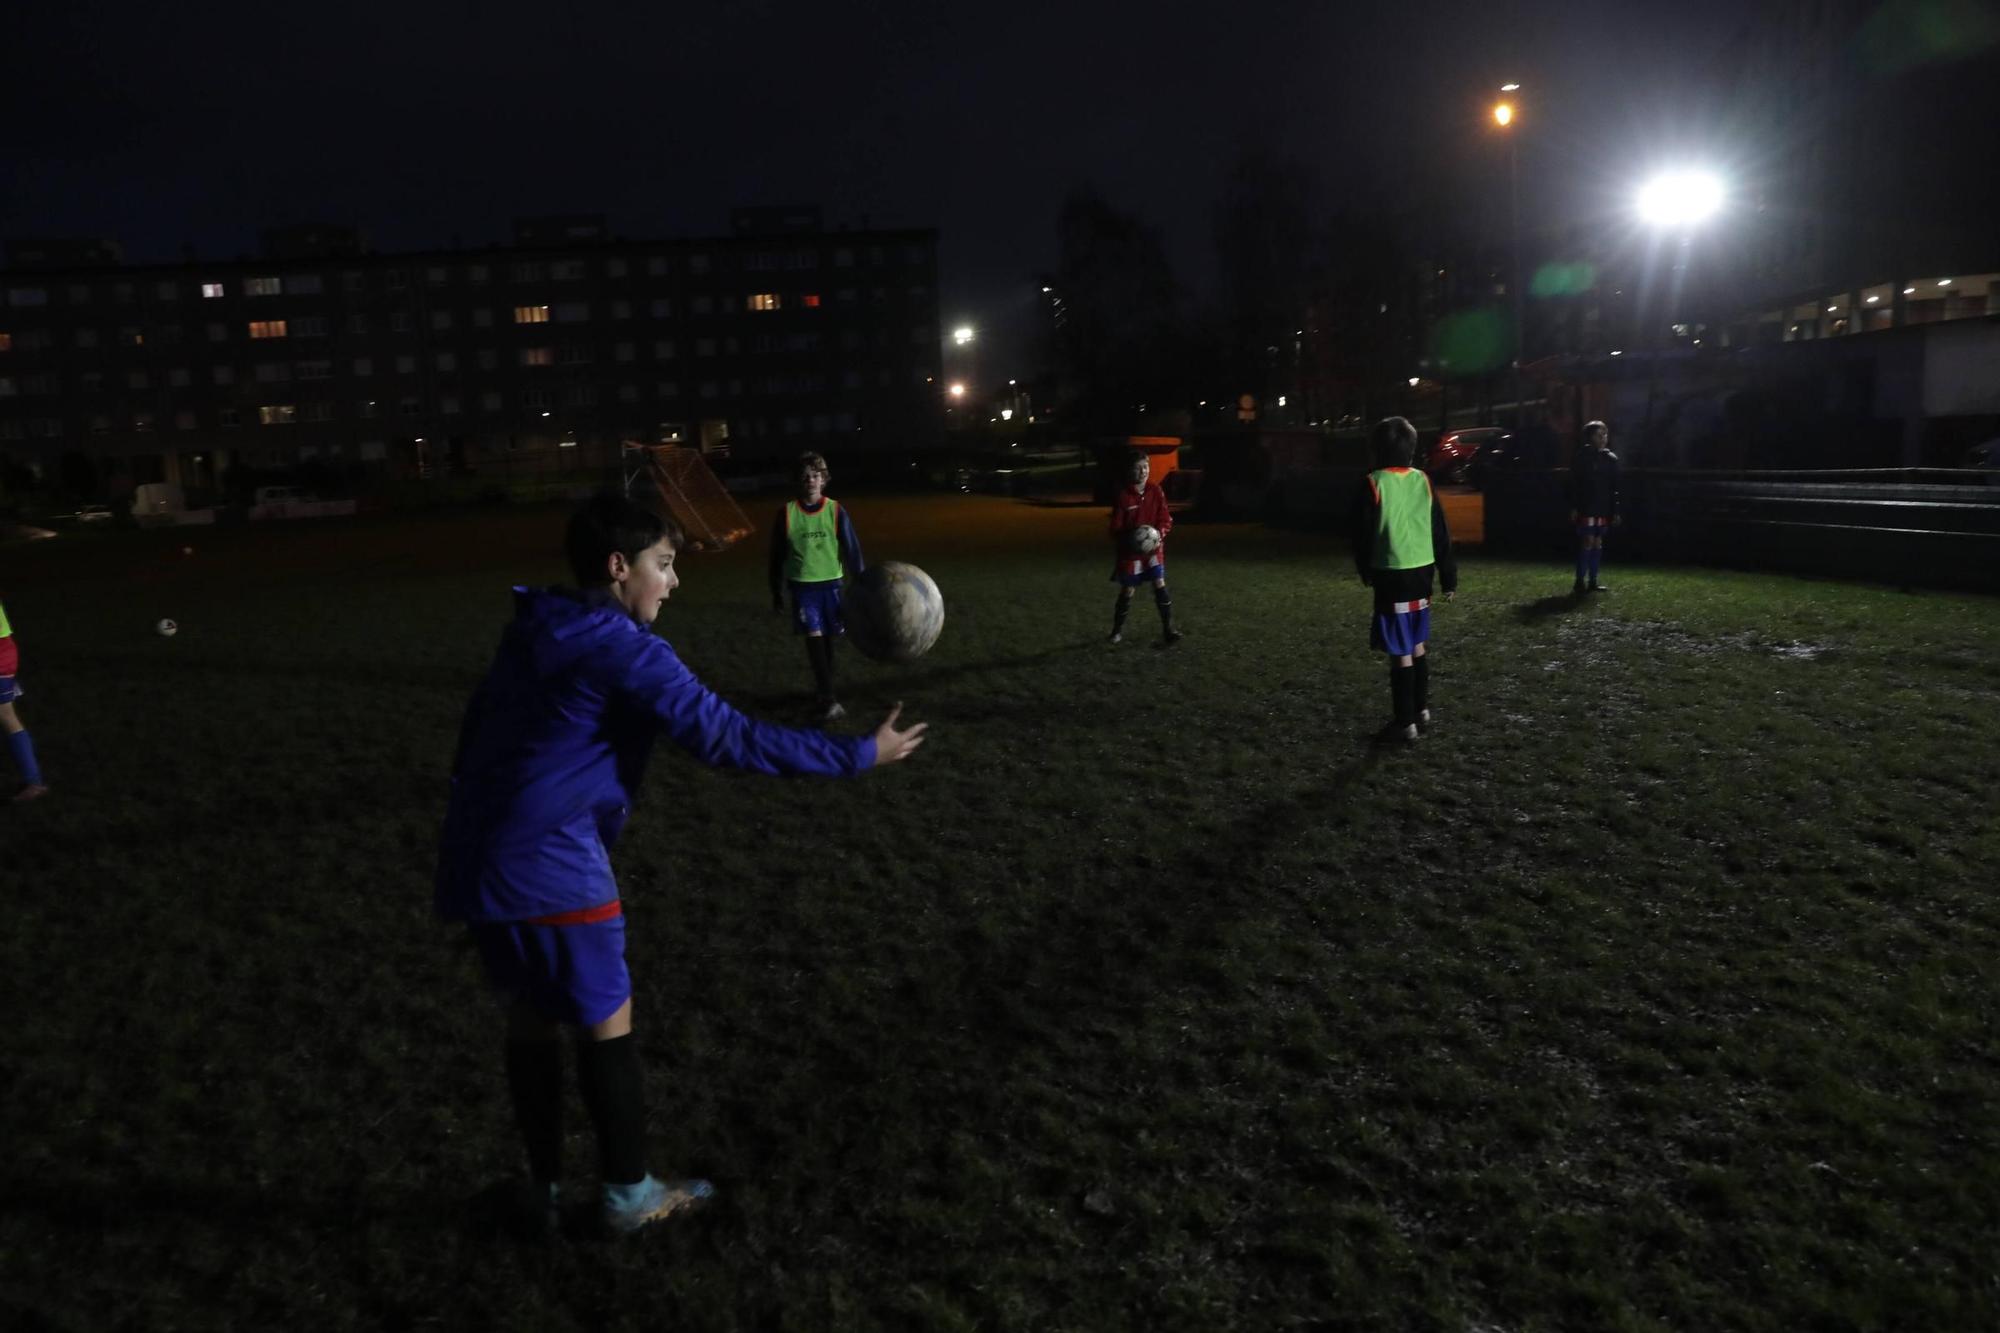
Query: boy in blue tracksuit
{"x": 549, "y": 758}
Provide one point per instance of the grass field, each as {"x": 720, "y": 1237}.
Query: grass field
{"x": 1654, "y": 990}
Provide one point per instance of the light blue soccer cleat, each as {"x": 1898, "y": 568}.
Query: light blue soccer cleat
{"x": 630, "y": 1207}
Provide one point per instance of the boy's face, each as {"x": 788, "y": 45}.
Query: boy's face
{"x": 1141, "y": 469}
{"x": 812, "y": 484}
{"x": 643, "y": 583}
{"x": 1600, "y": 438}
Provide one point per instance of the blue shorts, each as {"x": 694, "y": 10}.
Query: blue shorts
{"x": 1135, "y": 570}
{"x": 1398, "y": 633}
{"x": 568, "y": 974}
{"x": 816, "y": 609}
{"x": 10, "y": 690}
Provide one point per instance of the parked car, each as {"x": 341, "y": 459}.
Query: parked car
{"x": 1451, "y": 457}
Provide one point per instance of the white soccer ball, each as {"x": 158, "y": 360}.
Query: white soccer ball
{"x": 166, "y": 629}
{"x": 1145, "y": 539}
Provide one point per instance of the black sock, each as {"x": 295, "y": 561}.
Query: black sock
{"x": 1118, "y": 615}
{"x": 822, "y": 675}
{"x": 608, "y": 1074}
{"x": 534, "y": 1083}
{"x": 1420, "y": 685}
{"x": 1400, "y": 694}
{"x": 1166, "y": 605}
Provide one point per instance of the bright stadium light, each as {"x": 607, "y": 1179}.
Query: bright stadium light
{"x": 958, "y": 391}
{"x": 961, "y": 335}
{"x": 1680, "y": 198}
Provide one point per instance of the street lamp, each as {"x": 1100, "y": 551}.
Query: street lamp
{"x": 958, "y": 391}
{"x": 962, "y": 335}
{"x": 1504, "y": 116}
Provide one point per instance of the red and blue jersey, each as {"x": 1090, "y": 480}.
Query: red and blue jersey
{"x": 1134, "y": 507}
{"x": 554, "y": 746}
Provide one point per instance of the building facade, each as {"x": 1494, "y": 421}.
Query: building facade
{"x": 538, "y": 356}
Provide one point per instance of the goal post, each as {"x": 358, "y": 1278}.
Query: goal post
{"x": 694, "y": 495}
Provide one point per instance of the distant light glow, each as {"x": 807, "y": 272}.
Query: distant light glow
{"x": 1873, "y": 299}
{"x": 1006, "y": 414}
{"x": 961, "y": 336}
{"x": 1503, "y": 114}
{"x": 958, "y": 391}
{"x": 1944, "y": 282}
{"x": 1413, "y": 381}
{"x": 1909, "y": 291}
{"x": 1510, "y": 87}
{"x": 1680, "y": 198}
{"x": 1281, "y": 400}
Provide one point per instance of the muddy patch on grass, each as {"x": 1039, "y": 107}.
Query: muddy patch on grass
{"x": 1664, "y": 636}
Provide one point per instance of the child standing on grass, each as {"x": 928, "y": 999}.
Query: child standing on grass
{"x": 1140, "y": 505}
{"x": 1400, "y": 543}
{"x": 812, "y": 544}
{"x": 1593, "y": 504}
{"x": 549, "y": 758}
{"x": 19, "y": 745}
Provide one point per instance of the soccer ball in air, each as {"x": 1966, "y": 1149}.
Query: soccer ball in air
{"x": 166, "y": 629}
{"x": 894, "y": 612}
{"x": 1145, "y": 539}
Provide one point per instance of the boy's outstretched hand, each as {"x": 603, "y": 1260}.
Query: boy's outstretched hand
{"x": 891, "y": 744}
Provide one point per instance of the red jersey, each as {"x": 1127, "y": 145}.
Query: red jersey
{"x": 1132, "y": 508}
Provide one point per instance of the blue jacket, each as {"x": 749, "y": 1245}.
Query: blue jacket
{"x": 554, "y": 745}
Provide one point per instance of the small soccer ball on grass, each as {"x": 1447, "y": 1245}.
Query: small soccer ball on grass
{"x": 1145, "y": 539}
{"x": 166, "y": 629}
{"x": 894, "y": 612}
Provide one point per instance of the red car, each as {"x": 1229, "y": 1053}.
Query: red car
{"x": 1450, "y": 459}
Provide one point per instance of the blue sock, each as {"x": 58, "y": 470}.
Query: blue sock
{"x": 24, "y": 758}
{"x": 1582, "y": 563}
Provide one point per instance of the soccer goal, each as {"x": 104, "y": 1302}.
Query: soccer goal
{"x": 694, "y": 494}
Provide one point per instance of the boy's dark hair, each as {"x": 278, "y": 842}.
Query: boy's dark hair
{"x": 814, "y": 462}
{"x": 1394, "y": 441}
{"x": 607, "y": 523}
{"x": 1137, "y": 456}
{"x": 1591, "y": 428}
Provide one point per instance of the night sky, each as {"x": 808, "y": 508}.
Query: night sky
{"x": 162, "y": 126}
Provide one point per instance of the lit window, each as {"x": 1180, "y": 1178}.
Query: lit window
{"x": 764, "y": 301}
{"x": 6, "y": 342}
{"x": 538, "y": 356}
{"x": 531, "y": 314}
{"x": 267, "y": 328}
{"x": 277, "y": 414}
{"x": 810, "y": 300}
{"x": 211, "y": 290}
{"x": 262, "y": 287}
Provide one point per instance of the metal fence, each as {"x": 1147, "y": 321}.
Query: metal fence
{"x": 1927, "y": 526}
